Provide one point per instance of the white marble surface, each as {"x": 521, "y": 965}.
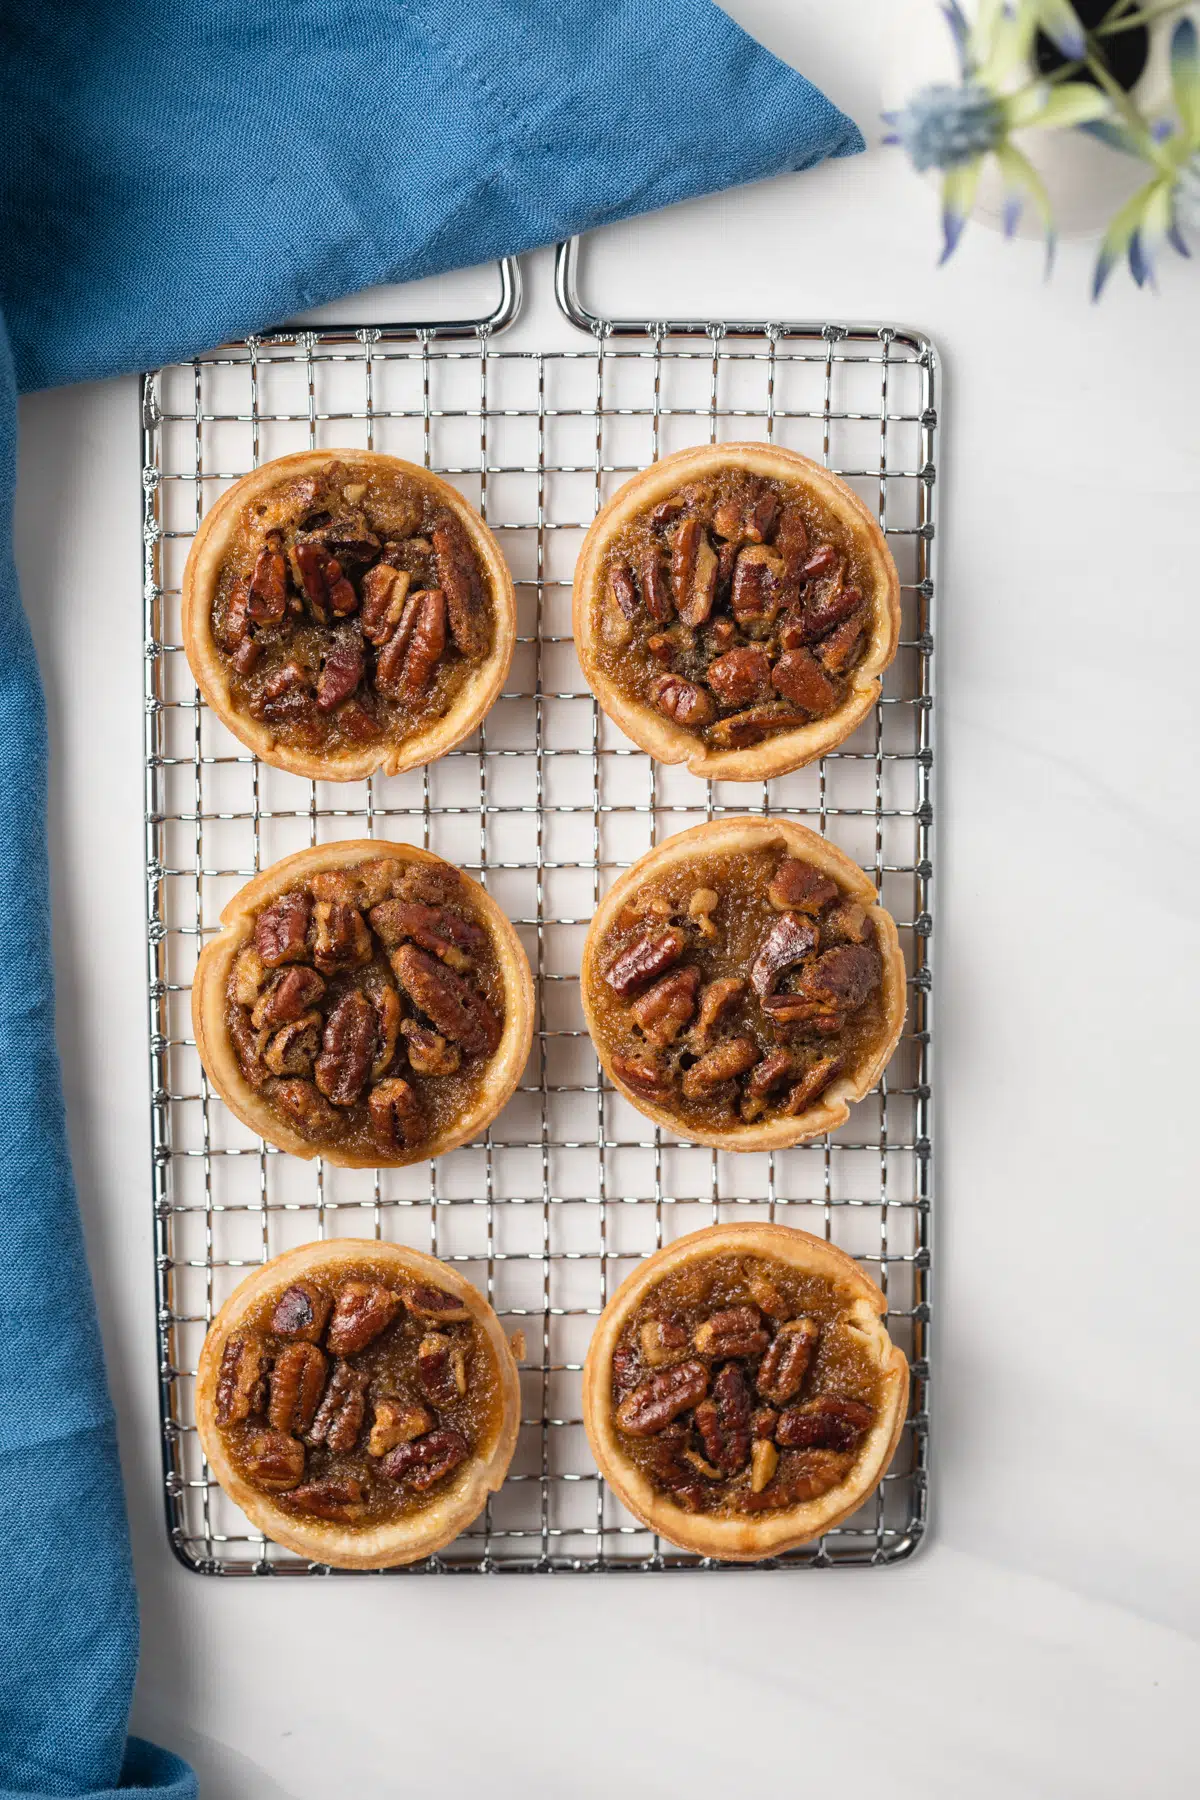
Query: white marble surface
{"x": 1044, "y": 1641}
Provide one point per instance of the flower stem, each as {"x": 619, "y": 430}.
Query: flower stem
{"x": 1121, "y": 19}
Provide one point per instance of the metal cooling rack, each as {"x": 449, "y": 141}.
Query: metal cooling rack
{"x": 570, "y": 1186}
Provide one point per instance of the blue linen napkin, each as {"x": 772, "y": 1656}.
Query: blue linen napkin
{"x": 177, "y": 172}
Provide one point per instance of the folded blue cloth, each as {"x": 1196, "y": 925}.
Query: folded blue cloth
{"x": 177, "y": 172}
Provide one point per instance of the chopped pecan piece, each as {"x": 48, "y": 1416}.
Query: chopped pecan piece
{"x": 775, "y": 1068}
{"x": 397, "y": 1422}
{"x": 797, "y": 887}
{"x": 802, "y": 1476}
{"x": 384, "y": 591}
{"x": 266, "y": 599}
{"x": 721, "y": 631}
{"x": 663, "y": 1341}
{"x": 433, "y": 882}
{"x": 845, "y": 924}
{"x": 428, "y": 1051}
{"x": 701, "y": 907}
{"x": 341, "y": 671}
{"x": 281, "y": 930}
{"x": 734, "y": 1331}
{"x": 748, "y": 522}
{"x": 624, "y": 1370}
{"x": 724, "y": 1062}
{"x": 289, "y": 997}
{"x": 350, "y": 540}
{"x": 623, "y": 589}
{"x": 661, "y": 1398}
{"x": 441, "y": 1369}
{"x": 799, "y": 677}
{"x": 338, "y": 1497}
{"x": 362, "y": 1310}
{"x": 249, "y": 1045}
{"x": 397, "y": 1118}
{"x": 292, "y": 1049}
{"x": 764, "y": 1460}
{"x": 425, "y": 1302}
{"x": 723, "y": 1421}
{"x": 273, "y": 1460}
{"x": 308, "y": 1110}
{"x": 458, "y": 579}
{"x": 745, "y": 728}
{"x": 297, "y": 1383}
{"x": 644, "y": 1076}
{"x": 683, "y": 701}
{"x": 426, "y": 1460}
{"x": 782, "y": 1370}
{"x": 667, "y": 511}
{"x": 287, "y": 690}
{"x": 825, "y": 1423}
{"x": 757, "y": 592}
{"x": 835, "y": 607}
{"x": 426, "y": 644}
{"x": 301, "y": 1312}
{"x": 241, "y": 1387}
{"x": 340, "y": 1415}
{"x": 841, "y": 978}
{"x": 341, "y": 940}
{"x": 740, "y": 676}
{"x": 347, "y": 1049}
{"x": 789, "y": 940}
{"x": 664, "y": 1009}
{"x": 643, "y": 961}
{"x": 816, "y": 1080}
{"x": 249, "y": 974}
{"x": 764, "y": 1421}
{"x": 374, "y": 881}
{"x": 325, "y": 585}
{"x": 791, "y": 543}
{"x": 661, "y": 646}
{"x": 693, "y": 572}
{"x": 819, "y": 563}
{"x": 655, "y": 592}
{"x": 453, "y": 939}
{"x": 767, "y": 1297}
{"x": 840, "y": 649}
{"x": 672, "y": 1468}
{"x": 717, "y": 998}
{"x": 457, "y": 1009}
{"x": 248, "y": 655}
{"x": 234, "y": 629}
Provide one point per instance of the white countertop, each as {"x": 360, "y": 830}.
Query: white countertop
{"x": 1043, "y": 1643}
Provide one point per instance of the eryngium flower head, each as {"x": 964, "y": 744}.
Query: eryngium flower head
{"x": 943, "y": 127}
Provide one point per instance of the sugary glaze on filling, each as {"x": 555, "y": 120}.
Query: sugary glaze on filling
{"x": 736, "y": 607}
{"x": 741, "y": 1385}
{"x": 351, "y": 608}
{"x": 355, "y": 1398}
{"x": 367, "y": 1004}
{"x": 735, "y": 986}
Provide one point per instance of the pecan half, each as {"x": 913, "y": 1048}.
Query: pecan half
{"x": 740, "y": 676}
{"x": 723, "y": 1421}
{"x": 457, "y": 1009}
{"x": 340, "y": 1415}
{"x": 397, "y": 1118}
{"x": 233, "y": 631}
{"x": 693, "y": 572}
{"x": 797, "y": 887}
{"x": 757, "y": 592}
{"x": 655, "y": 593}
{"x": 287, "y": 692}
{"x": 266, "y": 599}
{"x": 389, "y": 663}
{"x": 842, "y": 977}
{"x": 799, "y": 677}
{"x": 338, "y": 1497}
{"x": 746, "y": 728}
{"x": 425, "y": 1302}
{"x": 816, "y": 1080}
{"x": 645, "y": 1076}
{"x": 341, "y": 939}
{"x": 748, "y": 521}
{"x": 272, "y": 1460}
{"x": 426, "y": 645}
{"x": 241, "y": 1388}
{"x": 664, "y": 1009}
{"x": 782, "y": 1370}
{"x": 297, "y": 1383}
{"x": 301, "y": 1312}
{"x": 289, "y": 997}
{"x": 661, "y": 1398}
{"x": 428, "y": 1051}
{"x": 775, "y": 1068}
{"x": 396, "y": 1422}
{"x": 663, "y": 1341}
{"x": 667, "y": 511}
{"x": 825, "y": 1423}
{"x": 623, "y": 589}
{"x": 347, "y": 1049}
{"x": 801, "y": 1477}
{"x": 717, "y": 998}
{"x": 308, "y": 1110}
{"x": 292, "y": 1049}
{"x": 734, "y": 1331}
{"x": 386, "y": 1001}
{"x": 643, "y": 961}
{"x": 840, "y": 648}
{"x": 384, "y": 591}
{"x": 453, "y": 939}
{"x": 248, "y": 1043}
{"x": 789, "y": 940}
{"x": 724, "y": 1062}
{"x": 441, "y": 1369}
{"x": 458, "y": 578}
{"x": 831, "y": 608}
{"x": 362, "y": 1310}
{"x": 426, "y": 1460}
{"x": 341, "y": 671}
{"x": 281, "y": 930}
{"x": 683, "y": 701}
{"x": 791, "y": 543}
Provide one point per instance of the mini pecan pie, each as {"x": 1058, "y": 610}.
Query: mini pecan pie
{"x": 742, "y": 985}
{"x": 741, "y": 1394}
{"x": 365, "y": 1002}
{"x": 359, "y": 1401}
{"x": 345, "y": 612}
{"x": 735, "y": 606}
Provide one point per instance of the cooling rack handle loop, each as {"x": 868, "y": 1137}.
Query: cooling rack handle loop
{"x": 486, "y": 325}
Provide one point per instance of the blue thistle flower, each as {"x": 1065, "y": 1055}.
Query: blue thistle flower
{"x": 943, "y": 127}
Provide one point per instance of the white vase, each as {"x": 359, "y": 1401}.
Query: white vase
{"x": 1086, "y": 181}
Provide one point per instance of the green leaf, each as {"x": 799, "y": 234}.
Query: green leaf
{"x": 958, "y": 197}
{"x": 1054, "y": 108}
{"x": 1060, "y": 22}
{"x": 1115, "y": 135}
{"x": 1185, "y": 78}
{"x": 1022, "y": 179}
{"x": 988, "y": 15}
{"x": 1120, "y": 234}
{"x": 1010, "y": 48}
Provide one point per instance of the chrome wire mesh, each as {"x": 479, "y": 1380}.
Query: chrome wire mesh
{"x": 570, "y": 1186}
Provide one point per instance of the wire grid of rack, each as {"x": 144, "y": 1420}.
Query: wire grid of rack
{"x": 570, "y": 1186}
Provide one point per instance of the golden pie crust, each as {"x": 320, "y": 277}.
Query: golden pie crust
{"x": 220, "y": 1059}
{"x": 201, "y": 578}
{"x": 741, "y": 1538}
{"x": 832, "y": 1107}
{"x": 402, "y": 1540}
{"x": 661, "y": 737}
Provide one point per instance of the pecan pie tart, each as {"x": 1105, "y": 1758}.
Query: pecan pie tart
{"x": 735, "y": 606}
{"x": 365, "y": 1002}
{"x": 741, "y": 1394}
{"x": 742, "y": 985}
{"x": 345, "y": 612}
{"x": 358, "y": 1401}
